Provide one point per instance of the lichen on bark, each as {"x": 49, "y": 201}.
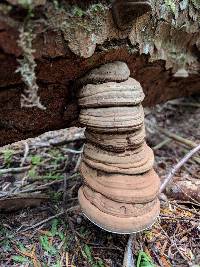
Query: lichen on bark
{"x": 170, "y": 32}
{"x": 27, "y": 67}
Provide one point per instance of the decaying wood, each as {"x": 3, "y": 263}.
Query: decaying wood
{"x": 71, "y": 37}
{"x": 22, "y": 201}
{"x": 185, "y": 190}
{"x": 178, "y": 166}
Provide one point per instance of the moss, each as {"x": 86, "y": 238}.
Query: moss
{"x": 27, "y": 4}
{"x": 90, "y": 12}
{"x": 96, "y": 8}
{"x": 78, "y": 12}
{"x": 171, "y": 4}
{"x": 196, "y": 4}
{"x": 56, "y": 4}
{"x": 71, "y": 18}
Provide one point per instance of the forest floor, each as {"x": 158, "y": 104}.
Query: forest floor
{"x": 42, "y": 173}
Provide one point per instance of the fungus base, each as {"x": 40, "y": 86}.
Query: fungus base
{"x": 115, "y": 224}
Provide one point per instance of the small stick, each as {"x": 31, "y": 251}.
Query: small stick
{"x": 128, "y": 255}
{"x": 186, "y": 202}
{"x": 79, "y": 160}
{"x": 38, "y": 188}
{"x": 187, "y": 209}
{"x": 177, "y": 218}
{"x": 161, "y": 144}
{"x": 196, "y": 159}
{"x": 26, "y": 151}
{"x": 178, "y": 166}
{"x": 178, "y": 138}
{"x": 184, "y": 142}
{"x": 50, "y": 218}
{"x": 69, "y": 150}
{"x": 15, "y": 170}
{"x": 190, "y": 104}
{"x": 65, "y": 190}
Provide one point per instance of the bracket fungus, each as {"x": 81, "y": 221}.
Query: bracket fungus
{"x": 120, "y": 191}
{"x": 117, "y": 142}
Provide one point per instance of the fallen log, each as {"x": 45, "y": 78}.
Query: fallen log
{"x": 52, "y": 44}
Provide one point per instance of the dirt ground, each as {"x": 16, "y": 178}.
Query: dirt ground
{"x": 42, "y": 173}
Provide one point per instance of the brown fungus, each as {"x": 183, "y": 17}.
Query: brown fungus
{"x": 111, "y": 72}
{"x": 140, "y": 188}
{"x": 117, "y": 142}
{"x": 111, "y": 94}
{"x": 120, "y": 186}
{"x": 112, "y": 119}
{"x": 133, "y": 157}
{"x": 97, "y": 208}
{"x": 138, "y": 167}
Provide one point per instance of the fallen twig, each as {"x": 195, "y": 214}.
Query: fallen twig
{"x": 75, "y": 135}
{"x": 178, "y": 138}
{"x": 69, "y": 150}
{"x": 78, "y": 164}
{"x": 177, "y": 218}
{"x": 173, "y": 243}
{"x": 186, "y": 202}
{"x": 38, "y": 188}
{"x": 50, "y": 218}
{"x": 22, "y": 201}
{"x": 178, "y": 166}
{"x": 128, "y": 255}
{"x": 161, "y": 144}
{"x": 15, "y": 170}
{"x": 186, "y": 209}
{"x": 190, "y": 104}
{"x": 26, "y": 151}
{"x": 196, "y": 159}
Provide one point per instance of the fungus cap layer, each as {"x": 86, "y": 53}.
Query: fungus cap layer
{"x": 117, "y": 142}
{"x": 112, "y": 119}
{"x": 111, "y": 94}
{"x": 128, "y": 157}
{"x": 142, "y": 166}
{"x": 113, "y": 218}
{"x": 116, "y": 71}
{"x": 123, "y": 188}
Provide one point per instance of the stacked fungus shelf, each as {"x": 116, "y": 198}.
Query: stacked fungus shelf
{"x": 120, "y": 185}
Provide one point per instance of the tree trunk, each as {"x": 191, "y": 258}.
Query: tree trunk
{"x": 53, "y": 44}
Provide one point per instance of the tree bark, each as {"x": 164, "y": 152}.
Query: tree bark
{"x": 72, "y": 37}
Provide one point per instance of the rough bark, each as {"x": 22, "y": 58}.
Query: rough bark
{"x": 72, "y": 37}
